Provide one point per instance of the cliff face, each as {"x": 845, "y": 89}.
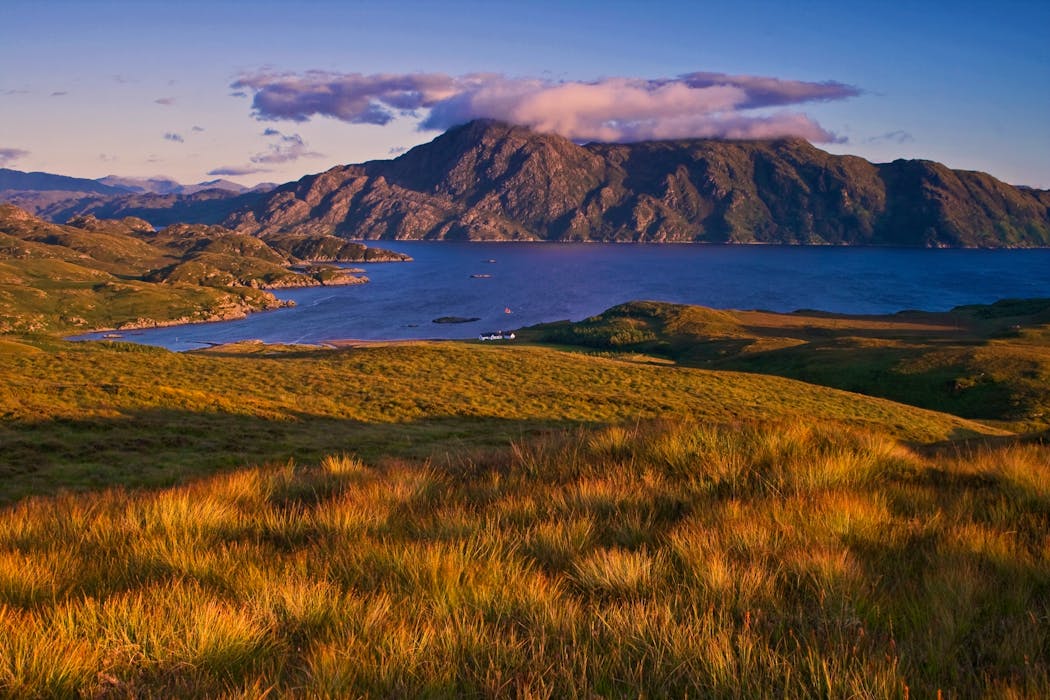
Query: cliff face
{"x": 487, "y": 180}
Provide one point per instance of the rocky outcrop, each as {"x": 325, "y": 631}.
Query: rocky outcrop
{"x": 322, "y": 248}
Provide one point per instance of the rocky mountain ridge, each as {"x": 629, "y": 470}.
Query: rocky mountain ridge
{"x": 19, "y": 181}
{"x": 203, "y": 207}
{"x": 492, "y": 181}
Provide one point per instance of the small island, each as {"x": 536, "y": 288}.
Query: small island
{"x": 456, "y": 319}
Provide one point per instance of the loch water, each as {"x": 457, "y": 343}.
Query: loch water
{"x": 511, "y": 285}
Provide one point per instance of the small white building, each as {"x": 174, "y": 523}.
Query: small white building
{"x": 497, "y": 335}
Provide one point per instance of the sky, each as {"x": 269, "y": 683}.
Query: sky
{"x": 271, "y": 91}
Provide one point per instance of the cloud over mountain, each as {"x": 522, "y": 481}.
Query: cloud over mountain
{"x": 233, "y": 170}
{"x": 696, "y": 104}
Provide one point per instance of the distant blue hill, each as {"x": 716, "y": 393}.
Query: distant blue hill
{"x": 165, "y": 185}
{"x": 18, "y": 180}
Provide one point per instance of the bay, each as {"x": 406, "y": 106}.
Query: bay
{"x": 511, "y": 285}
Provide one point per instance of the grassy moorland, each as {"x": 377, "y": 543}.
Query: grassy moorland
{"x": 87, "y": 415}
{"x": 451, "y": 519}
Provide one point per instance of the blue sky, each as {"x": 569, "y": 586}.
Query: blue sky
{"x": 90, "y": 88}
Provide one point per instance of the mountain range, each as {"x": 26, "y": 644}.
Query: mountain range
{"x": 165, "y": 185}
{"x": 162, "y": 200}
{"x": 19, "y": 181}
{"x": 488, "y": 180}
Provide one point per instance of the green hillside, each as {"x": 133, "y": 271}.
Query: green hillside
{"x": 981, "y": 362}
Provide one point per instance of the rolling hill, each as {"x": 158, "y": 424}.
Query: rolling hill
{"x": 987, "y": 362}
{"x": 95, "y": 273}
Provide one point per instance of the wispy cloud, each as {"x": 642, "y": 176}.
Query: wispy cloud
{"x": 171, "y": 136}
{"x": 397, "y": 150}
{"x": 700, "y": 104}
{"x": 59, "y": 93}
{"x": 898, "y": 136}
{"x": 107, "y": 158}
{"x": 165, "y": 101}
{"x": 197, "y": 129}
{"x": 10, "y": 155}
{"x": 234, "y": 171}
{"x": 285, "y": 148}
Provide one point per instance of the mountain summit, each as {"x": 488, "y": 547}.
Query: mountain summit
{"x": 488, "y": 180}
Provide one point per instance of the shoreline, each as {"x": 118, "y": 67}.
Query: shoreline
{"x": 727, "y": 244}
{"x": 934, "y": 320}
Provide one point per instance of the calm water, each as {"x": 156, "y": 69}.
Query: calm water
{"x": 549, "y": 282}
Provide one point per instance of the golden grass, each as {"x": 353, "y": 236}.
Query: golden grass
{"x": 666, "y": 558}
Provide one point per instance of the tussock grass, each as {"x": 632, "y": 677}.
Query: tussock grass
{"x": 617, "y": 572}
{"x": 663, "y": 558}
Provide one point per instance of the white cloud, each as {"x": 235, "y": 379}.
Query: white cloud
{"x": 697, "y": 104}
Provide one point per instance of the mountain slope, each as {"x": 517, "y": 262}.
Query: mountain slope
{"x": 166, "y": 185}
{"x": 488, "y": 180}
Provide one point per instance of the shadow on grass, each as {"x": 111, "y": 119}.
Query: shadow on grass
{"x": 164, "y": 447}
{"x": 951, "y": 607}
